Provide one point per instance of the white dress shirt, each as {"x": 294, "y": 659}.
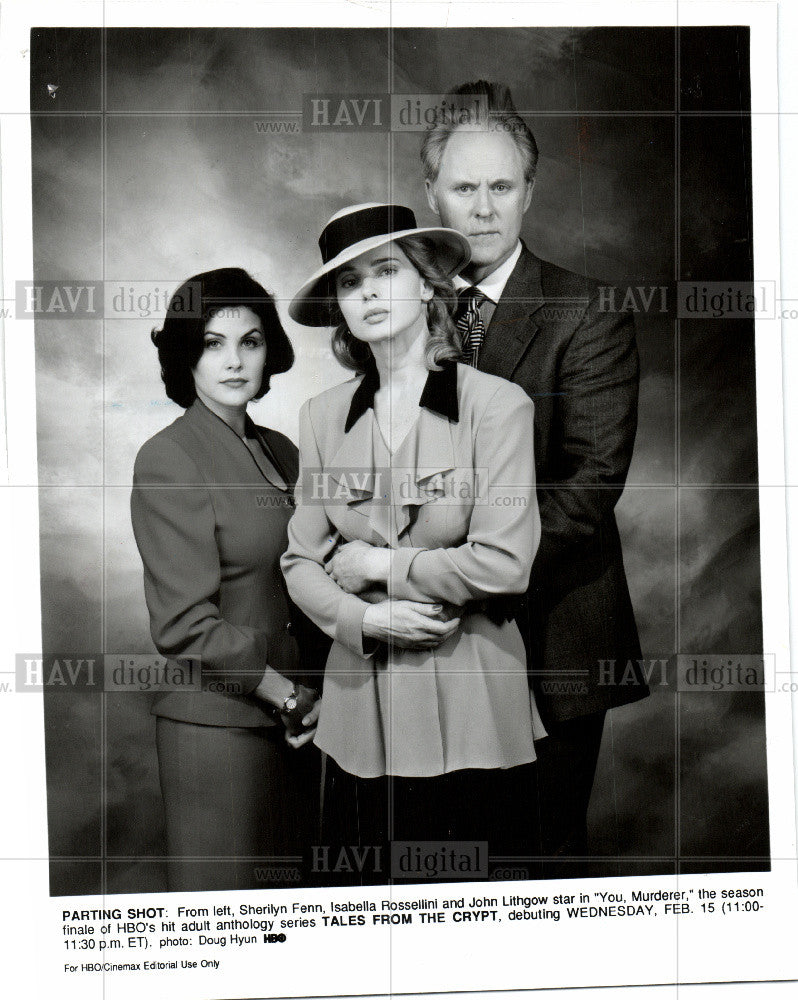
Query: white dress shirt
{"x": 492, "y": 285}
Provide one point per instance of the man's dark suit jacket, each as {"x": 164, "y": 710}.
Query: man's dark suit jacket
{"x": 579, "y": 364}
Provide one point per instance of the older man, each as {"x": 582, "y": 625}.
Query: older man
{"x": 545, "y": 328}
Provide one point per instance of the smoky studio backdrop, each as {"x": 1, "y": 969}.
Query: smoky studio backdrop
{"x": 152, "y": 162}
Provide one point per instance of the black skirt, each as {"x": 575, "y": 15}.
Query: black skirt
{"x": 363, "y": 819}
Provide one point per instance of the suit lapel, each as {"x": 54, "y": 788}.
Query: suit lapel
{"x": 270, "y": 469}
{"x": 512, "y": 327}
{"x": 230, "y": 457}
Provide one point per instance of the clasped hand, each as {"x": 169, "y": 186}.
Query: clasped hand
{"x": 357, "y": 567}
{"x": 310, "y": 722}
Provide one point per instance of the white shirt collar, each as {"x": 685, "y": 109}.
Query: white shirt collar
{"x": 493, "y": 284}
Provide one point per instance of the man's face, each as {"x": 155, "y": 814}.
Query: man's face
{"x": 480, "y": 190}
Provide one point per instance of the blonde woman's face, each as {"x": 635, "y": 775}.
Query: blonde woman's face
{"x": 381, "y": 294}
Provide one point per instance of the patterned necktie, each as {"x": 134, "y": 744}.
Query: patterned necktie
{"x": 470, "y": 324}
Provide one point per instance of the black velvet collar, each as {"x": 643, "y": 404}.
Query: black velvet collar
{"x": 439, "y": 395}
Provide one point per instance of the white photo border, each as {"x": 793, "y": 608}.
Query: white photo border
{"x": 381, "y": 961}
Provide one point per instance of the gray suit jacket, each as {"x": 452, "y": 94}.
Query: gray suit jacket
{"x": 551, "y": 335}
{"x": 210, "y": 525}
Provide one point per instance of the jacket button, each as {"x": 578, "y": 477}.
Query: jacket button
{"x": 289, "y": 628}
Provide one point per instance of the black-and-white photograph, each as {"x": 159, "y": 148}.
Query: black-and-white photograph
{"x": 404, "y": 497}
{"x": 443, "y": 264}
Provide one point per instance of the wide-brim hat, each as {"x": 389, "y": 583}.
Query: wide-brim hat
{"x": 358, "y": 229}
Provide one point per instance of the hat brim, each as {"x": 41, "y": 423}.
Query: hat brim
{"x": 311, "y": 304}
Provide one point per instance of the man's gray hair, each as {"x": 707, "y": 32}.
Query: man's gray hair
{"x": 496, "y": 113}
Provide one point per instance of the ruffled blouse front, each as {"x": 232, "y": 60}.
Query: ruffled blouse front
{"x": 466, "y": 704}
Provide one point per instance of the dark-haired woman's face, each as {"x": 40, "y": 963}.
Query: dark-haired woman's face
{"x": 230, "y": 369}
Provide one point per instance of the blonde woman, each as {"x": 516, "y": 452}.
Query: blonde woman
{"x": 417, "y": 523}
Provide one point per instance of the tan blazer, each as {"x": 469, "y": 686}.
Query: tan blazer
{"x": 456, "y": 502}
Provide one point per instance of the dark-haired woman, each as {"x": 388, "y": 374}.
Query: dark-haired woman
{"x": 420, "y": 488}
{"x": 211, "y": 501}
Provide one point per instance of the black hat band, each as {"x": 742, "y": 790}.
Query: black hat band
{"x": 355, "y": 227}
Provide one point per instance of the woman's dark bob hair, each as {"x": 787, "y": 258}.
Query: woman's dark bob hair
{"x": 181, "y": 340}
